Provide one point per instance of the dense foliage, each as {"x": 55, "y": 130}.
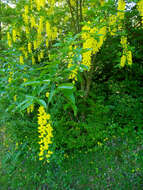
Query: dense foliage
{"x": 70, "y": 79}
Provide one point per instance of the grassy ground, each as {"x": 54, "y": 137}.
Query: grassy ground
{"x": 115, "y": 164}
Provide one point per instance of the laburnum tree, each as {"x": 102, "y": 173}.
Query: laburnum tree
{"x": 55, "y": 45}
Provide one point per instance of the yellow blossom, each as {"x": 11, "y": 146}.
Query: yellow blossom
{"x": 39, "y": 58}
{"x": 21, "y": 60}
{"x": 102, "y": 2}
{"x": 124, "y": 41}
{"x": 90, "y": 43}
{"x": 112, "y": 24}
{"x": 27, "y": 30}
{"x": 15, "y": 97}
{"x": 35, "y": 44}
{"x": 33, "y": 22}
{"x": 47, "y": 94}
{"x": 99, "y": 143}
{"x": 123, "y": 61}
{"x": 25, "y": 54}
{"x": 9, "y": 39}
{"x": 129, "y": 57}
{"x": 14, "y": 35}
{"x": 24, "y": 79}
{"x": 10, "y": 79}
{"x": 26, "y": 9}
{"x": 47, "y": 43}
{"x": 45, "y": 130}
{"x": 140, "y": 9}
{"x": 25, "y": 18}
{"x": 41, "y": 54}
{"x": 48, "y": 30}
{"x": 33, "y": 60}
{"x": 54, "y": 33}
{"x": 121, "y": 9}
{"x": 73, "y": 3}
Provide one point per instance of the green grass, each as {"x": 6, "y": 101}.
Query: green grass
{"x": 116, "y": 164}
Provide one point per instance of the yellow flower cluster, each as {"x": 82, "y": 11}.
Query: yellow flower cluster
{"x": 129, "y": 57}
{"x": 140, "y": 9}
{"x": 29, "y": 47}
{"x": 33, "y": 22}
{"x": 40, "y": 26}
{"x": 45, "y": 130}
{"x": 123, "y": 61}
{"x": 127, "y": 54}
{"x": 73, "y": 3}
{"x": 102, "y": 2}
{"x": 14, "y": 35}
{"x": 40, "y": 4}
{"x": 121, "y": 9}
{"x": 112, "y": 24}
{"x": 90, "y": 44}
{"x": 51, "y": 32}
{"x": 25, "y": 15}
{"x": 121, "y": 13}
{"x": 21, "y": 60}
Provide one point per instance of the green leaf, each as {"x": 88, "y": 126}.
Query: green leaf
{"x": 35, "y": 83}
{"x": 70, "y": 97}
{"x": 21, "y": 104}
{"x": 67, "y": 86}
{"x": 52, "y": 93}
{"x": 41, "y": 102}
{"x": 26, "y": 105}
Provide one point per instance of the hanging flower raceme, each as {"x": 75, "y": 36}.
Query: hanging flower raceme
{"x": 9, "y": 39}
{"x": 127, "y": 54}
{"x": 45, "y": 133}
{"x": 90, "y": 44}
{"x": 21, "y": 60}
{"x": 140, "y": 9}
{"x": 112, "y": 24}
{"x": 36, "y": 30}
{"x": 102, "y": 2}
{"x": 25, "y": 14}
{"x": 14, "y": 35}
{"x": 33, "y": 60}
{"x": 33, "y": 22}
{"x": 48, "y": 30}
{"x": 123, "y": 61}
{"x": 121, "y": 13}
{"x": 129, "y": 57}
{"x": 121, "y": 9}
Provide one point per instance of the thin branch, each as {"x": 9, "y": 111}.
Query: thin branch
{"x": 71, "y": 11}
{"x": 77, "y": 16}
{"x": 81, "y": 19}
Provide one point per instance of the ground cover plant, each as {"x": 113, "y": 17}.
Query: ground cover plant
{"x": 71, "y": 94}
